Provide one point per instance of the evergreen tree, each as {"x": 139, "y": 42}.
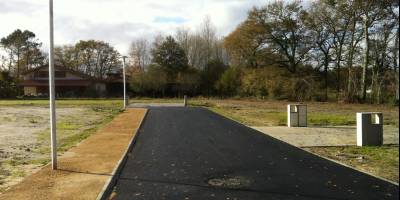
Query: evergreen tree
{"x": 171, "y": 57}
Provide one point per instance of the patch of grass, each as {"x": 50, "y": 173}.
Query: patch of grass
{"x": 15, "y": 161}
{"x": 64, "y": 102}
{"x": 73, "y": 130}
{"x": 70, "y": 141}
{"x": 381, "y": 161}
{"x": 252, "y": 117}
{"x": 3, "y": 174}
{"x": 255, "y": 112}
{"x": 67, "y": 125}
{"x": 7, "y": 119}
{"x": 324, "y": 119}
{"x": 33, "y": 121}
{"x": 18, "y": 173}
{"x": 39, "y": 161}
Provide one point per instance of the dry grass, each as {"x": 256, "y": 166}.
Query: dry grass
{"x": 380, "y": 161}
{"x": 77, "y": 120}
{"x": 273, "y": 113}
{"x": 84, "y": 169}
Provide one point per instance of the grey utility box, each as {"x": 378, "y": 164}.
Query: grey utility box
{"x": 369, "y": 129}
{"x": 297, "y": 115}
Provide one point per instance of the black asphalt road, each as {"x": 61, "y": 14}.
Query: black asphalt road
{"x": 193, "y": 153}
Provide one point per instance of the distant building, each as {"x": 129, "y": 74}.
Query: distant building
{"x": 70, "y": 83}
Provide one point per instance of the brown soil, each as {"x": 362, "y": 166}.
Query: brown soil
{"x": 21, "y": 150}
{"x": 84, "y": 169}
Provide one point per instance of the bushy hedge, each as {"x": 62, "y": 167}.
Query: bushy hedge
{"x": 8, "y": 88}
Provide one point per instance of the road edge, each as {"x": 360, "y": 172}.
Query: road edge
{"x": 323, "y": 157}
{"x": 110, "y": 183}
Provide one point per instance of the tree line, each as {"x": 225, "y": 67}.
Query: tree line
{"x": 341, "y": 50}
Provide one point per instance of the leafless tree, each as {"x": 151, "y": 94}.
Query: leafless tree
{"x": 139, "y": 53}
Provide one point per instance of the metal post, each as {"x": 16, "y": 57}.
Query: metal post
{"x": 123, "y": 71}
{"x": 184, "y": 100}
{"x": 52, "y": 91}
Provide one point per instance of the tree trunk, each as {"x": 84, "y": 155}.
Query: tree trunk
{"x": 326, "y": 78}
{"x": 339, "y": 57}
{"x": 350, "y": 64}
{"x": 366, "y": 61}
{"x": 395, "y": 66}
{"x": 18, "y": 64}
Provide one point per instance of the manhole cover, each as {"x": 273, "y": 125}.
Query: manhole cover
{"x": 230, "y": 182}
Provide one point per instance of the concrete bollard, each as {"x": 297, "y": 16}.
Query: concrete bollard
{"x": 297, "y": 115}
{"x": 184, "y": 100}
{"x": 369, "y": 129}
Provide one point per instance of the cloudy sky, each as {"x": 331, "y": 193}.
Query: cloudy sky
{"x": 119, "y": 21}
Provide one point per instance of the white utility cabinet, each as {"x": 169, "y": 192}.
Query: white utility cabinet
{"x": 297, "y": 115}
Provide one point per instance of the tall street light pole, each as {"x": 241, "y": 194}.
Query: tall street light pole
{"x": 124, "y": 78}
{"x": 52, "y": 91}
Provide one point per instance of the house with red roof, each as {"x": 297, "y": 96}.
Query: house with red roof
{"x": 69, "y": 83}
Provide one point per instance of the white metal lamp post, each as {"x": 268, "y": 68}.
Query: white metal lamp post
{"x": 124, "y": 79}
{"x": 52, "y": 91}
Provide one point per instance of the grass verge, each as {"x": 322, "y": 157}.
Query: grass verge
{"x": 273, "y": 113}
{"x": 73, "y": 130}
{"x": 65, "y": 102}
{"x": 381, "y": 161}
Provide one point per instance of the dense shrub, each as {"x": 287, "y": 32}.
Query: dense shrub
{"x": 151, "y": 82}
{"x": 8, "y": 88}
{"x": 210, "y": 75}
{"x": 254, "y": 83}
{"x": 229, "y": 82}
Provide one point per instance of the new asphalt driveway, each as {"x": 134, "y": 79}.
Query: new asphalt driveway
{"x": 193, "y": 153}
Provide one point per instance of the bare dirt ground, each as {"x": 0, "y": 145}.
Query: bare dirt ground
{"x": 323, "y": 136}
{"x": 84, "y": 169}
{"x": 21, "y": 149}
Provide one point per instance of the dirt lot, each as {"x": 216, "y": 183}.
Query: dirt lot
{"x": 84, "y": 169}
{"x": 24, "y": 133}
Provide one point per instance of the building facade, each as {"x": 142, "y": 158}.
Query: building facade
{"x": 68, "y": 83}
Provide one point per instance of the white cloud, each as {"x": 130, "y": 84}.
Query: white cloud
{"x": 119, "y": 21}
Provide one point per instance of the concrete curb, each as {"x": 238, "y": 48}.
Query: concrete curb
{"x": 337, "y": 162}
{"x": 111, "y": 182}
